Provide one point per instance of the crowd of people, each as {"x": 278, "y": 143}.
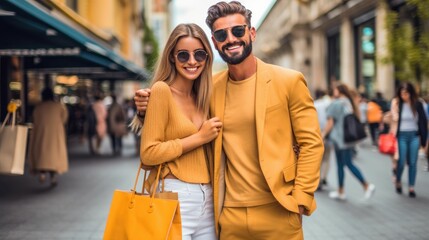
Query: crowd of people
{"x": 405, "y": 117}
{"x": 54, "y": 121}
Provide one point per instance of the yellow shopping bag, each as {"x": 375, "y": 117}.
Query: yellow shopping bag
{"x": 144, "y": 217}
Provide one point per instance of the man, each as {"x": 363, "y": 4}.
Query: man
{"x": 321, "y": 104}
{"x": 260, "y": 187}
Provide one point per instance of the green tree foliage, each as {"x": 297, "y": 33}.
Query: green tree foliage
{"x": 150, "y": 46}
{"x": 408, "y": 43}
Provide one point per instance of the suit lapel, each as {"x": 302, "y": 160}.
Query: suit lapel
{"x": 218, "y": 108}
{"x": 262, "y": 80}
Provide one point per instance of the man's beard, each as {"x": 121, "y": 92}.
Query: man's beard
{"x": 237, "y": 58}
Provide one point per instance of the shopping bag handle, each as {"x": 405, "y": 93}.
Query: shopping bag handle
{"x": 7, "y": 119}
{"x": 152, "y": 195}
{"x": 11, "y": 109}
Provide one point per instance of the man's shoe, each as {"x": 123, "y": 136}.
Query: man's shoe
{"x": 412, "y": 194}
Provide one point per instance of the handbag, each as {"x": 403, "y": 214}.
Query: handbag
{"x": 387, "y": 143}
{"x": 139, "y": 216}
{"x": 353, "y": 128}
{"x": 13, "y": 144}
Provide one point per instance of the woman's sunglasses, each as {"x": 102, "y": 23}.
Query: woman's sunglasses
{"x": 221, "y": 34}
{"x": 199, "y": 56}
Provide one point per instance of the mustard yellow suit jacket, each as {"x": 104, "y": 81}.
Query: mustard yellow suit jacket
{"x": 285, "y": 114}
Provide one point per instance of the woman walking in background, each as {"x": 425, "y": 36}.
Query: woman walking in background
{"x": 48, "y": 150}
{"x": 176, "y": 127}
{"x": 343, "y": 105}
{"x": 409, "y": 124}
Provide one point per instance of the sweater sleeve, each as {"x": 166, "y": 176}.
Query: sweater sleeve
{"x": 155, "y": 148}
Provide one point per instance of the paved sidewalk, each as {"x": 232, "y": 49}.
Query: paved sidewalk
{"x": 386, "y": 216}
{"x": 77, "y": 208}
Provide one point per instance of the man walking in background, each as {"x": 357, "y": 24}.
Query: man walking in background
{"x": 321, "y": 104}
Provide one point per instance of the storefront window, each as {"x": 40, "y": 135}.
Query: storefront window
{"x": 333, "y": 57}
{"x": 366, "y": 65}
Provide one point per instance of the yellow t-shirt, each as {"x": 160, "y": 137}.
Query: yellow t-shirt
{"x": 163, "y": 128}
{"x": 245, "y": 183}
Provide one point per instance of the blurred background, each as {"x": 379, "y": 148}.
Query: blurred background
{"x": 89, "y": 51}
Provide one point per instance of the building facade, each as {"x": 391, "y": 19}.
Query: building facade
{"x": 74, "y": 46}
{"x": 330, "y": 40}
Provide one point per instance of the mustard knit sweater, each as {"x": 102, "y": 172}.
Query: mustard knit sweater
{"x": 164, "y": 126}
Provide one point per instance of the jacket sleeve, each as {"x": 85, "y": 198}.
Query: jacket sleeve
{"x": 306, "y": 129}
{"x": 394, "y": 111}
{"x": 422, "y": 124}
{"x": 155, "y": 148}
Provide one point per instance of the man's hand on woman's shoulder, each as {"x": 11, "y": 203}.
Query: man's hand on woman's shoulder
{"x": 141, "y": 99}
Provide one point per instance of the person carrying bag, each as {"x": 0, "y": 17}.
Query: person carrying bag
{"x": 13, "y": 143}
{"x": 353, "y": 128}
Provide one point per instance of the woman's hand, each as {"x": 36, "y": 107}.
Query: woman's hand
{"x": 210, "y": 129}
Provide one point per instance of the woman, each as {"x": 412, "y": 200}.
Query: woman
{"x": 339, "y": 108}
{"x": 176, "y": 127}
{"x": 48, "y": 150}
{"x": 409, "y": 124}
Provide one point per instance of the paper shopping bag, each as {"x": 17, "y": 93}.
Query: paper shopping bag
{"x": 13, "y": 144}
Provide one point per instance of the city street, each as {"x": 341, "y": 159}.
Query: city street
{"x": 77, "y": 208}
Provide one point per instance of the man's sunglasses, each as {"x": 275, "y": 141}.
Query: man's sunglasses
{"x": 199, "y": 56}
{"x": 221, "y": 34}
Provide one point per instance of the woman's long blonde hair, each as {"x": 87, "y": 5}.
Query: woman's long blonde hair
{"x": 166, "y": 71}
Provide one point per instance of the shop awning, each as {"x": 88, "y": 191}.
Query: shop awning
{"x": 50, "y": 44}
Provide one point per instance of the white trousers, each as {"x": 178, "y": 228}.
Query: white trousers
{"x": 196, "y": 209}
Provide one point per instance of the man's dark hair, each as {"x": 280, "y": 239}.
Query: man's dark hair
{"x": 320, "y": 93}
{"x": 222, "y": 9}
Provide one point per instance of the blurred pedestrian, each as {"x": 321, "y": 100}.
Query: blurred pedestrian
{"x": 116, "y": 125}
{"x": 130, "y": 109}
{"x": 409, "y": 124}
{"x": 323, "y": 100}
{"x": 97, "y": 129}
{"x": 48, "y": 150}
{"x": 426, "y": 168}
{"x": 374, "y": 118}
{"x": 363, "y": 107}
{"x": 385, "y": 107}
{"x": 341, "y": 106}
{"x": 381, "y": 101}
